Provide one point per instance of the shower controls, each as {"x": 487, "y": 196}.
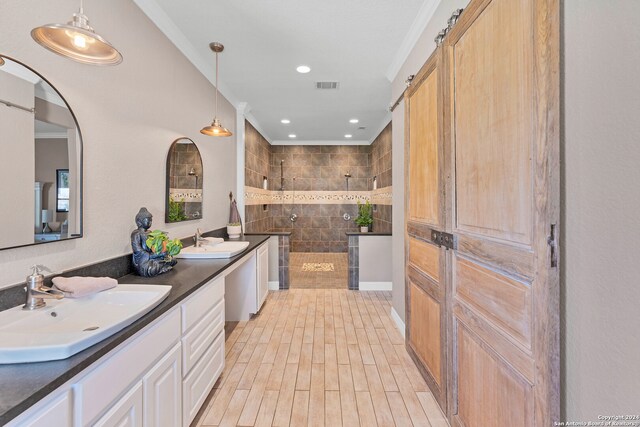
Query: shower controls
{"x": 346, "y": 217}
{"x": 293, "y": 217}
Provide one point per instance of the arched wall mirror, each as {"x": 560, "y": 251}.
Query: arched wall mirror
{"x": 184, "y": 182}
{"x": 41, "y": 148}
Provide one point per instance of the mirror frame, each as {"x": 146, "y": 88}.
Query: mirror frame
{"x": 168, "y": 183}
{"x": 80, "y": 234}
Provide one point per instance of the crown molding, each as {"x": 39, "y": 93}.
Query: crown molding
{"x": 254, "y": 122}
{"x": 416, "y": 29}
{"x": 385, "y": 123}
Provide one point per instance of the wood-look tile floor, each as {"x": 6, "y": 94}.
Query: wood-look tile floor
{"x": 336, "y": 279}
{"x": 320, "y": 357}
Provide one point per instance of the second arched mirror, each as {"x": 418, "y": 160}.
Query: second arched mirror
{"x": 184, "y": 182}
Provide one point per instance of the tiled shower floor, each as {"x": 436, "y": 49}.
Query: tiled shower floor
{"x": 305, "y": 278}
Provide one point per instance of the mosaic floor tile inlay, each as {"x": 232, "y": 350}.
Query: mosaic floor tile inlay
{"x": 315, "y": 270}
{"x": 318, "y": 266}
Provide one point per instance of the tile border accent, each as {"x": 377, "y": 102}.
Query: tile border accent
{"x": 188, "y": 194}
{"x": 259, "y": 196}
{"x": 382, "y": 196}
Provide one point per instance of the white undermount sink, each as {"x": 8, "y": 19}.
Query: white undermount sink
{"x": 67, "y": 326}
{"x": 217, "y": 250}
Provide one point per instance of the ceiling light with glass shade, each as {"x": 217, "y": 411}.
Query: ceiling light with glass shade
{"x": 216, "y": 129}
{"x": 76, "y": 40}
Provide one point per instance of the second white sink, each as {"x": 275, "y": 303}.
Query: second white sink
{"x": 65, "y": 327}
{"x": 220, "y": 250}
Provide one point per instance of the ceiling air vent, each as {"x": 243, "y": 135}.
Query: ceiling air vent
{"x": 327, "y": 85}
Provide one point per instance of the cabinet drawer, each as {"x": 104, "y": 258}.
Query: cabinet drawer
{"x": 105, "y": 383}
{"x": 199, "y": 383}
{"x": 196, "y": 342}
{"x": 201, "y": 302}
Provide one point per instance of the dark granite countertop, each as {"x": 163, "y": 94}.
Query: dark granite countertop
{"x": 270, "y": 233}
{"x": 24, "y": 384}
{"x": 368, "y": 233}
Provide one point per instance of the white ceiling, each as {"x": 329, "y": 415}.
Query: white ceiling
{"x": 358, "y": 43}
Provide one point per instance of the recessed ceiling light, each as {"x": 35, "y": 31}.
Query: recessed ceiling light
{"x": 285, "y": 121}
{"x": 292, "y": 135}
{"x": 348, "y": 135}
{"x": 353, "y": 121}
{"x": 303, "y": 69}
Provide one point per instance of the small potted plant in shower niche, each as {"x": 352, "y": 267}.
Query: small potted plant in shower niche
{"x": 364, "y": 218}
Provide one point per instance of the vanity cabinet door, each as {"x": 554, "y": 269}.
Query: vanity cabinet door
{"x": 262, "y": 275}
{"x": 102, "y": 386}
{"x": 162, "y": 387}
{"x": 198, "y": 384}
{"x": 56, "y": 412}
{"x": 127, "y": 412}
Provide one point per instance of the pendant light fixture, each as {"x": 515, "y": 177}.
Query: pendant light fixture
{"x": 216, "y": 129}
{"x": 77, "y": 40}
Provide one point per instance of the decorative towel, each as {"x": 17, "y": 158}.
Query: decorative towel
{"x": 213, "y": 240}
{"x": 78, "y": 287}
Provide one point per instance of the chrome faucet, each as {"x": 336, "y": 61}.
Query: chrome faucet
{"x": 197, "y": 238}
{"x": 37, "y": 292}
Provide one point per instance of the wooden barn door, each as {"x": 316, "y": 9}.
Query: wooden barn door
{"x": 425, "y": 262}
{"x": 482, "y": 171}
{"x": 502, "y": 113}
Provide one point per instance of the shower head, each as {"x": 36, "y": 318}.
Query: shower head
{"x": 281, "y": 161}
{"x": 347, "y": 175}
{"x": 192, "y": 171}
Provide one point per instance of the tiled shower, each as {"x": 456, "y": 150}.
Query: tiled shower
{"x": 314, "y": 189}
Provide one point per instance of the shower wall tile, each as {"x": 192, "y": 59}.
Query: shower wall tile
{"x": 257, "y": 157}
{"x": 381, "y": 157}
{"x": 382, "y": 219}
{"x": 257, "y": 219}
{"x": 319, "y": 227}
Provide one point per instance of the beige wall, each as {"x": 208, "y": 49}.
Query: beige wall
{"x": 129, "y": 115}
{"x": 601, "y": 201}
{"x": 397, "y": 224}
{"x": 17, "y": 204}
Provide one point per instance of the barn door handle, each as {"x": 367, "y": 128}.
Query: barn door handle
{"x": 552, "y": 241}
{"x": 441, "y": 238}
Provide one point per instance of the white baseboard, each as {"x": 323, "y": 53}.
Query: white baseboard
{"x": 274, "y": 286}
{"x": 375, "y": 286}
{"x": 399, "y": 323}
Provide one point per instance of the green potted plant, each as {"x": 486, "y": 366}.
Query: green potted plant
{"x": 364, "y": 218}
{"x": 159, "y": 243}
{"x": 176, "y": 210}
